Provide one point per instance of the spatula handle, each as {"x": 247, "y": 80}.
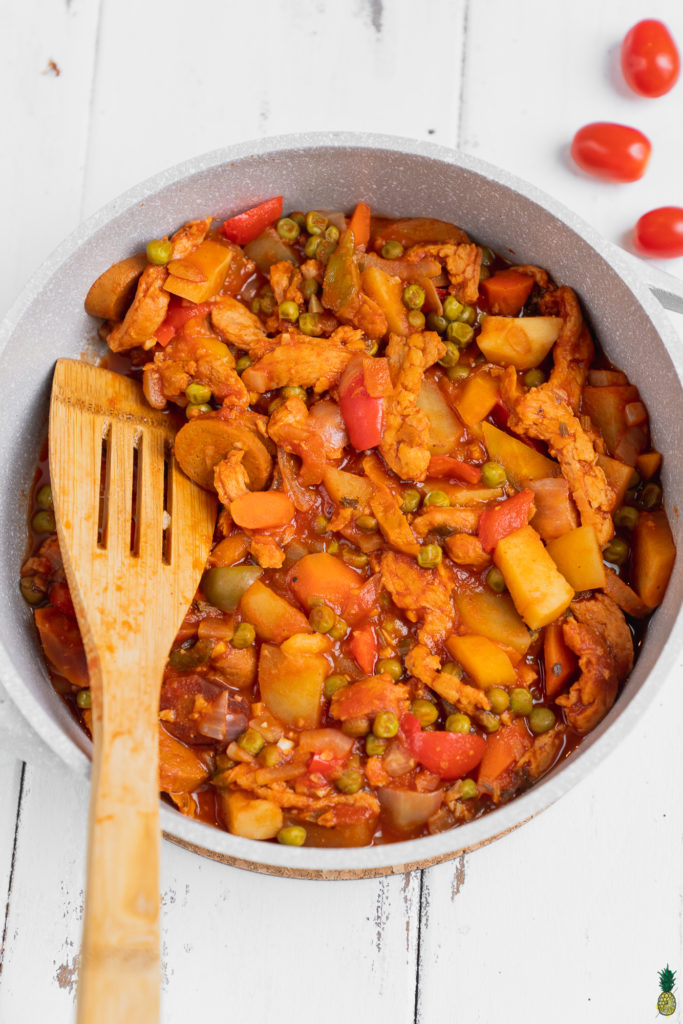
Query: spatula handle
{"x": 120, "y": 976}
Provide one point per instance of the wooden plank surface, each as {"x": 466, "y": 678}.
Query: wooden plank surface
{"x": 571, "y": 916}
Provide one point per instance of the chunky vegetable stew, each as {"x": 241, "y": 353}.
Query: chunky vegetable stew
{"x": 440, "y": 533}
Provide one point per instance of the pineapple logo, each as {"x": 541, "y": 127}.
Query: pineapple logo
{"x": 666, "y": 1004}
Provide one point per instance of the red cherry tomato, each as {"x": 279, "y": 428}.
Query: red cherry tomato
{"x": 613, "y": 152}
{"x": 660, "y": 232}
{"x": 649, "y": 58}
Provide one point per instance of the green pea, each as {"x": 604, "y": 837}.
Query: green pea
{"x": 634, "y": 479}
{"x": 371, "y": 347}
{"x": 309, "y": 287}
{"x": 223, "y": 587}
{"x": 429, "y": 556}
{"x": 375, "y": 745}
{"x": 244, "y": 636}
{"x": 334, "y": 683}
{"x": 416, "y": 319}
{"x": 452, "y": 308}
{"x": 460, "y": 333}
{"x": 224, "y": 763}
{"x": 534, "y": 378}
{"x": 288, "y": 311}
{"x": 255, "y": 306}
{"x": 356, "y": 727}
{"x": 458, "y": 723}
{"x": 192, "y": 410}
{"x": 411, "y": 501}
{"x": 436, "y": 323}
{"x": 31, "y": 591}
{"x": 251, "y": 741}
{"x": 500, "y": 699}
{"x": 458, "y": 373}
{"x": 357, "y": 559}
{"x": 332, "y": 233}
{"x": 311, "y": 246}
{"x": 616, "y": 551}
{"x": 44, "y": 497}
{"x": 438, "y": 498}
{"x": 44, "y": 521}
{"x": 413, "y": 296}
{"x": 349, "y": 781}
{"x": 426, "y": 712}
{"x": 627, "y": 517}
{"x": 651, "y": 496}
{"x": 84, "y": 699}
{"x": 487, "y": 256}
{"x": 292, "y": 835}
{"x": 292, "y": 391}
{"x": 391, "y": 667}
{"x": 495, "y": 580}
{"x": 159, "y": 251}
{"x": 493, "y": 474}
{"x": 368, "y": 524}
{"x": 340, "y": 628}
{"x": 187, "y": 658}
{"x": 385, "y": 725}
{"x": 541, "y": 720}
{"x": 325, "y": 250}
{"x": 315, "y": 223}
{"x": 451, "y": 668}
{"x": 321, "y": 618}
{"x": 451, "y": 356}
{"x": 467, "y": 315}
{"x": 309, "y": 323}
{"x": 270, "y": 756}
{"x": 198, "y": 394}
{"x": 489, "y": 722}
{"x": 468, "y": 789}
{"x": 392, "y": 250}
{"x": 333, "y": 547}
{"x": 521, "y": 701}
{"x": 275, "y": 404}
{"x": 288, "y": 228}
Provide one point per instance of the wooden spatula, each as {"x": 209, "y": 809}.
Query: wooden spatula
{"x": 135, "y": 535}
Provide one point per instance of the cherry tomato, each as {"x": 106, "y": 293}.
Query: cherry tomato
{"x": 449, "y": 755}
{"x": 660, "y": 232}
{"x": 613, "y": 152}
{"x": 649, "y": 58}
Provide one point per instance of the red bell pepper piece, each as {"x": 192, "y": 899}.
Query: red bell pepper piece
{"x": 450, "y": 755}
{"x": 247, "y": 226}
{"x": 445, "y": 465}
{"x": 497, "y": 522}
{"x": 363, "y": 647}
{"x": 363, "y": 602}
{"x": 363, "y": 415}
{"x": 60, "y": 597}
{"x": 177, "y": 315}
{"x": 319, "y": 764}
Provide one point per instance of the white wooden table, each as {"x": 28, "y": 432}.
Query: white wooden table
{"x": 568, "y": 919}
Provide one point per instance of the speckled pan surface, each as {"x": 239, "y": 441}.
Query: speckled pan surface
{"x": 398, "y": 177}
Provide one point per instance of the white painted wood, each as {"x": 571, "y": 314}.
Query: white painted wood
{"x": 567, "y": 919}
{"x": 10, "y": 786}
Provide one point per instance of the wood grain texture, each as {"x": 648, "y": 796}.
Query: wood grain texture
{"x": 569, "y": 917}
{"x": 130, "y": 592}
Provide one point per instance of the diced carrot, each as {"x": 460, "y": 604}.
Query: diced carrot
{"x": 323, "y": 576}
{"x": 560, "y": 663}
{"x": 503, "y": 749}
{"x": 654, "y": 555}
{"x": 507, "y": 291}
{"x": 376, "y": 377}
{"x": 505, "y": 518}
{"x": 648, "y": 464}
{"x": 360, "y": 225}
{"x": 262, "y": 510}
{"x": 363, "y": 647}
{"x": 445, "y": 466}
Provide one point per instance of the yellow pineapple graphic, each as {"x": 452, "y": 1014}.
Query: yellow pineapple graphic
{"x": 666, "y": 1004}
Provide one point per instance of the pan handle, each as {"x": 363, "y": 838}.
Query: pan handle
{"x": 664, "y": 286}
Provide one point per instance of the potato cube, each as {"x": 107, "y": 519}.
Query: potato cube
{"x": 272, "y": 617}
{"x": 539, "y": 591}
{"x": 201, "y": 274}
{"x": 348, "y": 487}
{"x": 523, "y": 342}
{"x": 494, "y": 616}
{"x": 387, "y": 291}
{"x": 249, "y": 817}
{"x": 445, "y": 429}
{"x": 521, "y": 463}
{"x": 476, "y": 398}
{"x": 654, "y": 555}
{"x": 485, "y": 663}
{"x": 291, "y": 679}
{"x": 618, "y": 476}
{"x": 578, "y": 557}
{"x": 180, "y": 768}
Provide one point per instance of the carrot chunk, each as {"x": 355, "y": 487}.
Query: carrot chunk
{"x": 262, "y": 510}
{"x": 507, "y": 291}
